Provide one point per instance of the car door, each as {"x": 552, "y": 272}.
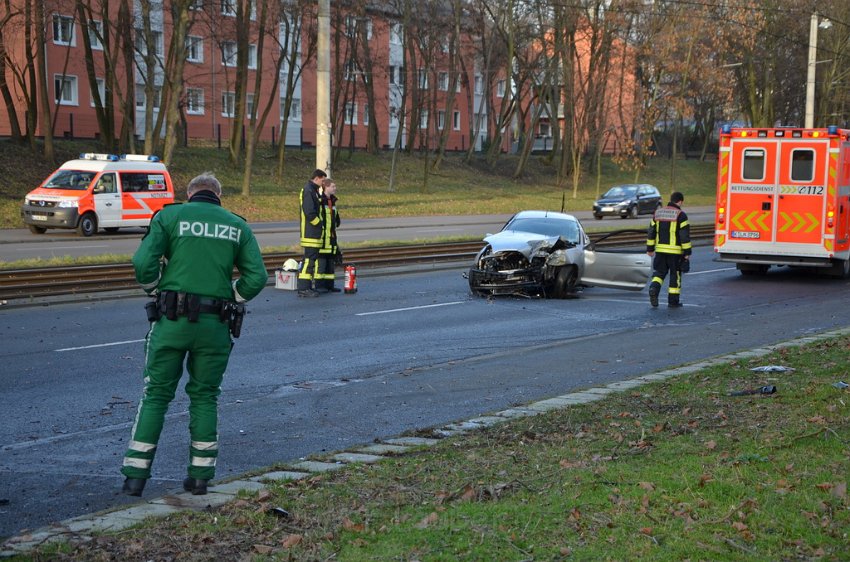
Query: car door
{"x": 107, "y": 200}
{"x": 616, "y": 267}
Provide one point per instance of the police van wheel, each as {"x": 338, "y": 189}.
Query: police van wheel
{"x": 840, "y": 269}
{"x": 37, "y": 229}
{"x": 88, "y": 224}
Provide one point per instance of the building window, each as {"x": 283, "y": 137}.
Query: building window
{"x": 396, "y": 34}
{"x": 196, "y": 5}
{"x": 500, "y": 88}
{"x": 393, "y": 116}
{"x": 156, "y": 39}
{"x": 228, "y": 53}
{"x": 423, "y": 119}
{"x": 545, "y": 130}
{"x": 195, "y": 101}
{"x": 349, "y": 71}
{"x": 228, "y": 104}
{"x": 396, "y": 74}
{"x": 441, "y": 120}
{"x": 252, "y": 56}
{"x": 63, "y": 30}
{"x": 422, "y": 79}
{"x": 140, "y": 97}
{"x": 228, "y": 7}
{"x": 101, "y": 90}
{"x": 366, "y": 114}
{"x": 479, "y": 84}
{"x": 249, "y": 105}
{"x": 456, "y": 120}
{"x": 96, "y": 34}
{"x": 65, "y": 89}
{"x": 294, "y": 109}
{"x": 351, "y": 113}
{"x": 354, "y": 24}
{"x": 194, "y": 49}
{"x": 443, "y": 81}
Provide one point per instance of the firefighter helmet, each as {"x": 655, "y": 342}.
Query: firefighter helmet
{"x": 290, "y": 265}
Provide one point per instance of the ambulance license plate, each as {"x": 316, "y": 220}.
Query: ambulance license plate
{"x": 745, "y": 234}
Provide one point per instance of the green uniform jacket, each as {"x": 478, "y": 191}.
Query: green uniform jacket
{"x": 201, "y": 243}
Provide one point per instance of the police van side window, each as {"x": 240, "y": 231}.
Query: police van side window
{"x": 802, "y": 164}
{"x": 753, "y": 164}
{"x": 135, "y": 182}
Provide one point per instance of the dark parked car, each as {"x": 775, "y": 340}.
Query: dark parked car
{"x": 548, "y": 254}
{"x": 628, "y": 200}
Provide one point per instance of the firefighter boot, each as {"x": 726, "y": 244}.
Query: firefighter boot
{"x": 654, "y": 289}
{"x": 197, "y": 486}
{"x": 673, "y": 302}
{"x": 134, "y": 486}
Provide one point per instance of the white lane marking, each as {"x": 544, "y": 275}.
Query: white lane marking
{"x": 710, "y": 271}
{"x": 99, "y": 345}
{"x": 85, "y": 246}
{"x": 408, "y": 308}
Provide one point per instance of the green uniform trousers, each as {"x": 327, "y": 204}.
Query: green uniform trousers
{"x": 205, "y": 347}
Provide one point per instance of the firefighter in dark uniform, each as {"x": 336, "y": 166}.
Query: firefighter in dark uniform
{"x": 669, "y": 244}
{"x": 329, "y": 253}
{"x": 311, "y": 234}
{"x": 186, "y": 260}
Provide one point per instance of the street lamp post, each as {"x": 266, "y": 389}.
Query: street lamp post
{"x": 810, "y": 74}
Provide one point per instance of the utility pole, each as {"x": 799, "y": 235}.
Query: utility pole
{"x": 323, "y": 89}
{"x": 810, "y": 74}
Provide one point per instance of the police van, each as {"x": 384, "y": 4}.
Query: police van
{"x": 99, "y": 191}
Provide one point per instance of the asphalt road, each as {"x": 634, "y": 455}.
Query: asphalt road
{"x": 18, "y": 244}
{"x": 407, "y": 352}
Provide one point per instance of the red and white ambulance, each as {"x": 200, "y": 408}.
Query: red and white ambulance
{"x": 783, "y": 198}
{"x": 99, "y": 191}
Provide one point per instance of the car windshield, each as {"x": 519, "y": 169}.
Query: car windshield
{"x": 70, "y": 179}
{"x": 621, "y": 191}
{"x": 566, "y": 229}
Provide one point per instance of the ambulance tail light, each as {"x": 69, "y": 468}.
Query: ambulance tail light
{"x": 721, "y": 215}
{"x": 830, "y": 219}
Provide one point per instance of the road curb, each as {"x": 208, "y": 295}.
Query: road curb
{"x": 79, "y": 529}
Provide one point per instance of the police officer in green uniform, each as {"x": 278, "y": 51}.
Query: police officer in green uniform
{"x": 186, "y": 260}
{"x": 668, "y": 242}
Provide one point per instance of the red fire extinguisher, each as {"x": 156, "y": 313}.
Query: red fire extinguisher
{"x": 350, "y": 279}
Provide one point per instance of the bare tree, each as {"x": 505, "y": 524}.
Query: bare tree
{"x": 43, "y": 89}
{"x": 7, "y": 17}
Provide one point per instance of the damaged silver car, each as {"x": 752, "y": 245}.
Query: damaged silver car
{"x": 548, "y": 254}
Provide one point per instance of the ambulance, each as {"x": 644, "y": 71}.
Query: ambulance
{"x": 783, "y": 199}
{"x": 99, "y": 191}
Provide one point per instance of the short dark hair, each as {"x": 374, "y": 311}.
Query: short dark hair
{"x": 676, "y": 197}
{"x": 318, "y": 173}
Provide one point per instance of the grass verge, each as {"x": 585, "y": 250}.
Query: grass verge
{"x": 676, "y": 470}
{"x": 457, "y": 188}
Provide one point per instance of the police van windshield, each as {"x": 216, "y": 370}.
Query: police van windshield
{"x": 70, "y": 179}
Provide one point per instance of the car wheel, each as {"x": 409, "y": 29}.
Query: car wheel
{"x": 87, "y": 225}
{"x": 565, "y": 283}
{"x": 633, "y": 211}
{"x": 37, "y": 229}
{"x": 474, "y": 282}
{"x": 598, "y": 217}
{"x": 111, "y": 229}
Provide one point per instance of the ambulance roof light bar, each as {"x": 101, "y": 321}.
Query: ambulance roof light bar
{"x": 140, "y": 157}
{"x": 96, "y": 156}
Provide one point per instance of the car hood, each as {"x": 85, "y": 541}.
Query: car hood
{"x": 612, "y": 200}
{"x": 517, "y": 241}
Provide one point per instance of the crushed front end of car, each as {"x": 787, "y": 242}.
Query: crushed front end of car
{"x": 529, "y": 271}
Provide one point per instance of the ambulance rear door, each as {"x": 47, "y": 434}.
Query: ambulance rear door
{"x": 751, "y": 197}
{"x": 801, "y": 201}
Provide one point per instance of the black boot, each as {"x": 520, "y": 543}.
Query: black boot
{"x": 654, "y": 289}
{"x": 134, "y": 486}
{"x": 197, "y": 486}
